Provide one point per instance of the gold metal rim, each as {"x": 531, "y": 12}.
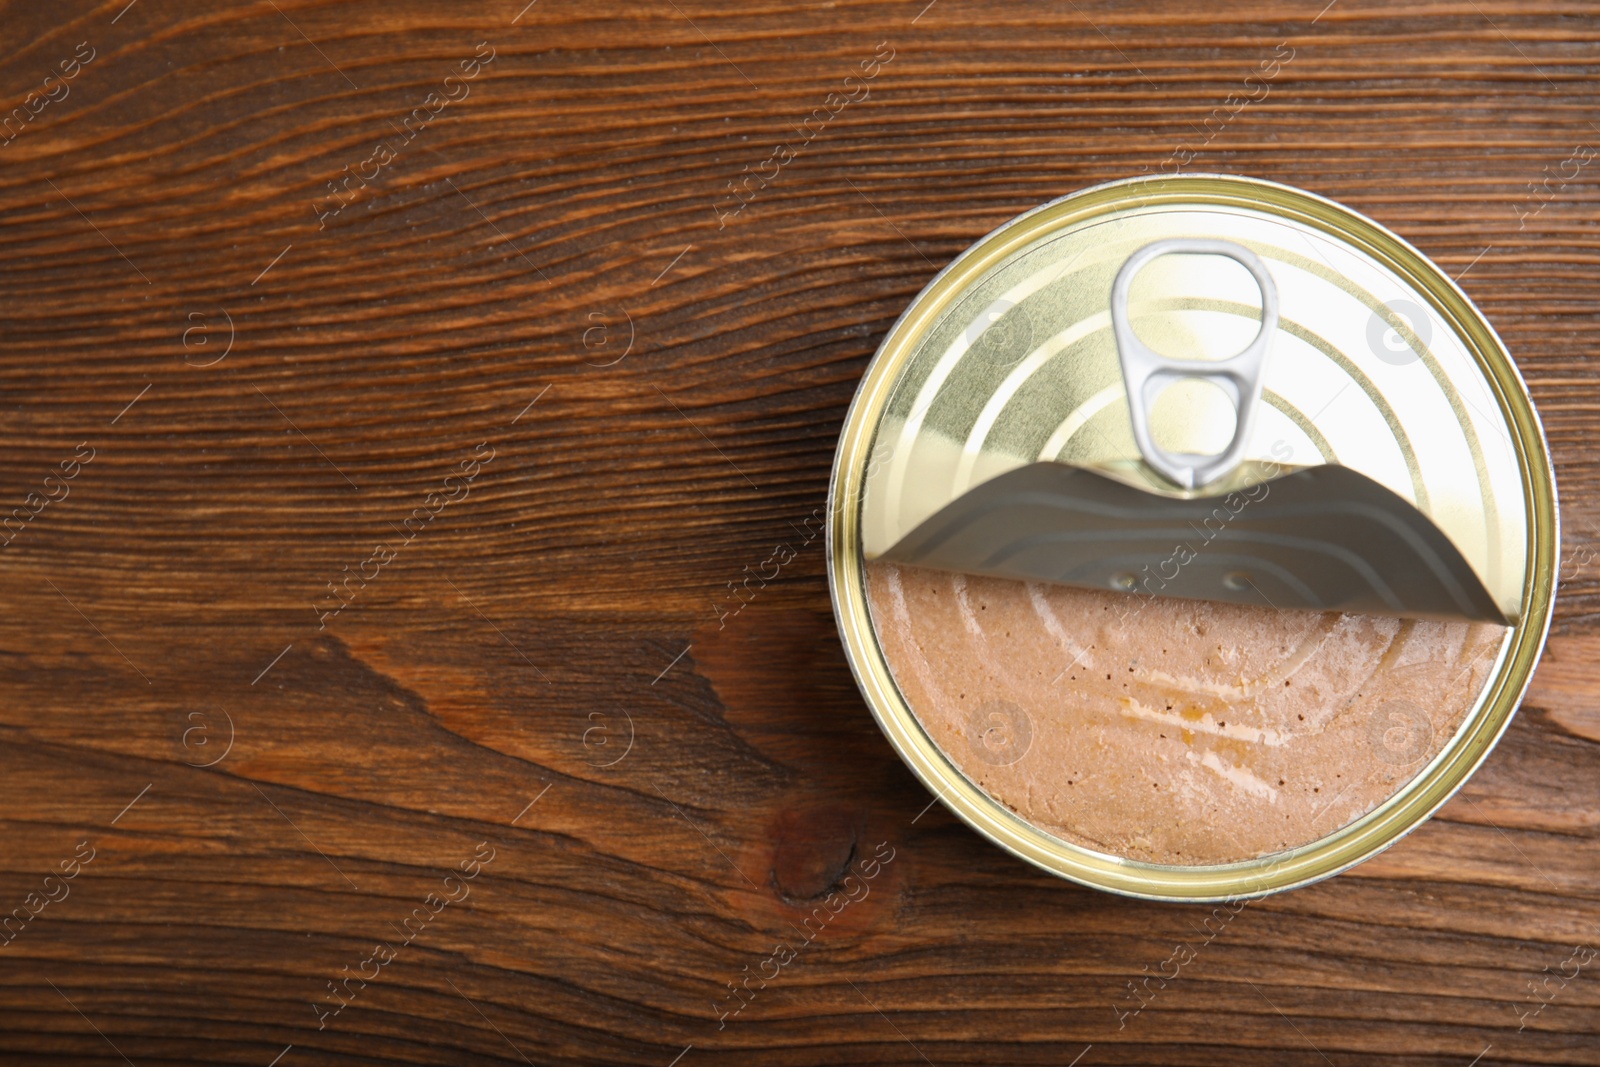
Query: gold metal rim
{"x": 1342, "y": 849}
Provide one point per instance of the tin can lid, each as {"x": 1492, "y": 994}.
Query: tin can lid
{"x": 1377, "y": 363}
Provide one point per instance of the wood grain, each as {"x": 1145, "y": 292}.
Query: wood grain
{"x": 553, "y": 238}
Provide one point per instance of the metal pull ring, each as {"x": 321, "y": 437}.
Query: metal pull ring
{"x": 1145, "y": 372}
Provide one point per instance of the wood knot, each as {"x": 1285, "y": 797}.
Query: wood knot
{"x": 811, "y": 852}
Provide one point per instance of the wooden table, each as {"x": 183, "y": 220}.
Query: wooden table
{"x": 394, "y": 391}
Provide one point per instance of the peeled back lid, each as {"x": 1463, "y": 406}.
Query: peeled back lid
{"x": 1366, "y": 371}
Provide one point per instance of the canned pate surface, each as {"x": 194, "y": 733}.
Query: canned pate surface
{"x": 1101, "y": 727}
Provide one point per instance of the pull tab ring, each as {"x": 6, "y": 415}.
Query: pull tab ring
{"x": 1145, "y": 372}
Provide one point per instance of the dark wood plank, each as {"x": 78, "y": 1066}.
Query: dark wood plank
{"x": 555, "y": 239}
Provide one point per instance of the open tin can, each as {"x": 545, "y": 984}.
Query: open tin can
{"x": 1381, "y": 386}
